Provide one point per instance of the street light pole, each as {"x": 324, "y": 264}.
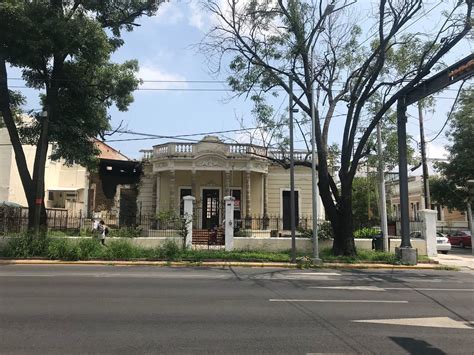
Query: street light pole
{"x": 292, "y": 177}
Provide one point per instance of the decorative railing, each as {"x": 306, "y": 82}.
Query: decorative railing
{"x": 235, "y": 150}
{"x": 147, "y": 154}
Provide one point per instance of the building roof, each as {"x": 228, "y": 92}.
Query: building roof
{"x": 107, "y": 152}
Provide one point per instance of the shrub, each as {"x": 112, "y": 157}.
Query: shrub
{"x": 324, "y": 231}
{"x": 25, "y": 246}
{"x": 170, "y": 250}
{"x": 366, "y": 232}
{"x": 126, "y": 232}
{"x": 89, "y": 248}
{"x": 243, "y": 233}
{"x": 63, "y": 249}
{"x": 120, "y": 250}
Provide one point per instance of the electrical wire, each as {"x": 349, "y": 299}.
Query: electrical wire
{"x": 450, "y": 112}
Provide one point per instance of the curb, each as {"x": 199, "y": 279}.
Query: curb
{"x": 217, "y": 264}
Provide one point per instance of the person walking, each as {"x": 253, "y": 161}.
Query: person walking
{"x": 103, "y": 231}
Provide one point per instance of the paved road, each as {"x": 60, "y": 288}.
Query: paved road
{"x": 91, "y": 309}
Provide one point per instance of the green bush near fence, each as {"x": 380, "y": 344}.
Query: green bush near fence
{"x": 367, "y": 232}
{"x": 26, "y": 246}
{"x": 90, "y": 248}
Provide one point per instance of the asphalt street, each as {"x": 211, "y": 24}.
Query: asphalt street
{"x": 52, "y": 309}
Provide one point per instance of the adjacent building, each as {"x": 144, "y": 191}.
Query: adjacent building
{"x": 109, "y": 189}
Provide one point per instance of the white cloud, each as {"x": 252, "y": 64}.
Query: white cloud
{"x": 170, "y": 13}
{"x": 198, "y": 17}
{"x": 155, "y": 78}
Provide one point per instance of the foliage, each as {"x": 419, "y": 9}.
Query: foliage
{"x": 451, "y": 189}
{"x": 170, "y": 250}
{"x": 169, "y": 219}
{"x": 63, "y": 249}
{"x": 64, "y": 49}
{"x": 125, "y": 232}
{"x": 324, "y": 231}
{"x": 243, "y": 233}
{"x": 366, "y": 232}
{"x": 445, "y": 193}
{"x": 120, "y": 250}
{"x": 322, "y": 47}
{"x": 365, "y": 192}
{"x": 26, "y": 246}
{"x": 89, "y": 248}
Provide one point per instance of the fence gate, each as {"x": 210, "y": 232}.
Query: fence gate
{"x": 207, "y": 229}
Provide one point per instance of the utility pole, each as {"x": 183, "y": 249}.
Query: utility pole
{"x": 426, "y": 181}
{"x": 314, "y": 177}
{"x": 292, "y": 177}
{"x": 382, "y": 198}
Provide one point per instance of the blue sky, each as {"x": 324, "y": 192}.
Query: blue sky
{"x": 165, "y": 46}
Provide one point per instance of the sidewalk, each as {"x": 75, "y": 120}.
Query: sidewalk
{"x": 462, "y": 261}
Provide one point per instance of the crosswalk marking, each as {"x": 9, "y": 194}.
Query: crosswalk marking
{"x": 435, "y": 322}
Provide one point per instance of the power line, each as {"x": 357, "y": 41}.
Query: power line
{"x": 450, "y": 113}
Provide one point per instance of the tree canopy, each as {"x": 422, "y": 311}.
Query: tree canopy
{"x": 450, "y": 189}
{"x": 334, "y": 63}
{"x": 63, "y": 48}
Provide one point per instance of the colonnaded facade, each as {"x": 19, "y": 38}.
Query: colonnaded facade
{"x": 211, "y": 169}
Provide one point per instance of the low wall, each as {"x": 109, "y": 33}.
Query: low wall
{"x": 162, "y": 233}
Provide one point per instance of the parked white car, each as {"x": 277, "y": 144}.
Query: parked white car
{"x": 442, "y": 242}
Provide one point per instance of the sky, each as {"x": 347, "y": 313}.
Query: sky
{"x": 166, "y": 47}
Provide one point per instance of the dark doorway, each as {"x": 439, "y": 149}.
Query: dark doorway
{"x": 128, "y": 207}
{"x": 287, "y": 210}
{"x": 210, "y": 208}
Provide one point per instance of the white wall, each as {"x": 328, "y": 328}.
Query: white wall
{"x": 56, "y": 173}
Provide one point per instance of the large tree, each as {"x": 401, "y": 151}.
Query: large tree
{"x": 63, "y": 49}
{"x": 320, "y": 46}
{"x": 451, "y": 189}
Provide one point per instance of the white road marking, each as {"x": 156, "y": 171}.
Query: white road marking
{"x": 383, "y": 289}
{"x": 315, "y": 273}
{"x": 434, "y": 322}
{"x": 430, "y": 289}
{"x": 334, "y": 301}
{"x": 350, "y": 288}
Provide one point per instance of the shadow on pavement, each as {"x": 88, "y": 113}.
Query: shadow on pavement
{"x": 415, "y": 346}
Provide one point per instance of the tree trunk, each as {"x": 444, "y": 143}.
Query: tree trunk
{"x": 343, "y": 228}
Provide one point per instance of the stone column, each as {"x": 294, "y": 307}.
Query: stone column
{"x": 157, "y": 193}
{"x": 193, "y": 183}
{"x": 172, "y": 190}
{"x": 265, "y": 201}
{"x": 428, "y": 231}
{"x": 188, "y": 215}
{"x": 248, "y": 194}
{"x": 248, "y": 207}
{"x": 227, "y": 183}
{"x": 229, "y": 222}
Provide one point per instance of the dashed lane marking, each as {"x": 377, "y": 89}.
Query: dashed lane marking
{"x": 333, "y": 301}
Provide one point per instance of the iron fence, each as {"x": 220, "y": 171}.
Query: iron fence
{"x": 15, "y": 220}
